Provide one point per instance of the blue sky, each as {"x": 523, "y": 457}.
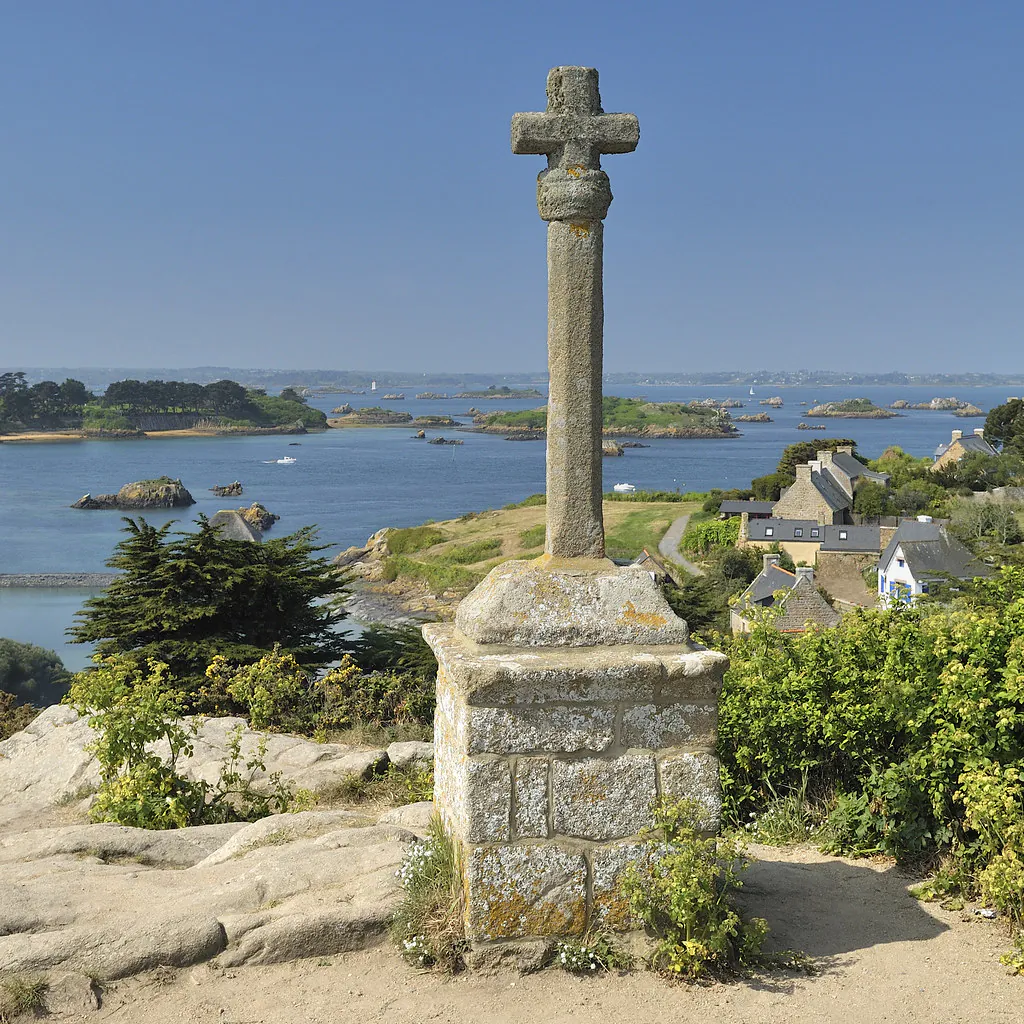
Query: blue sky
{"x": 316, "y": 184}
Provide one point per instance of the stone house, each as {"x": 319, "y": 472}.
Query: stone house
{"x": 754, "y": 509}
{"x": 959, "y": 446}
{"x": 919, "y": 554}
{"x": 825, "y": 487}
{"x": 793, "y": 593}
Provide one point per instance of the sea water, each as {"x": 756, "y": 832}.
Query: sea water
{"x": 351, "y": 482}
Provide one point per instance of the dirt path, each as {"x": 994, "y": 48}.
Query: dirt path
{"x": 669, "y": 546}
{"x": 882, "y": 957}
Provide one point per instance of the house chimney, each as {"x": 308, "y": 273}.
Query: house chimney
{"x": 957, "y": 434}
{"x": 803, "y": 471}
{"x": 846, "y": 449}
{"x": 744, "y": 529}
{"x": 825, "y": 458}
{"x": 768, "y": 561}
{"x": 805, "y": 572}
{"x": 815, "y": 466}
{"x": 979, "y": 431}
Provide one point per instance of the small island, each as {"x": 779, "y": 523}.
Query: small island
{"x": 757, "y": 417}
{"x": 161, "y": 492}
{"x": 852, "y": 409}
{"x": 502, "y": 392}
{"x": 623, "y": 417}
{"x": 434, "y": 396}
{"x": 372, "y": 416}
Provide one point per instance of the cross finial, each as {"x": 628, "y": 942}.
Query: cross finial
{"x": 573, "y": 133}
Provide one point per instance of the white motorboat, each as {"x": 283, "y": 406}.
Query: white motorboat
{"x": 624, "y": 488}
{"x": 286, "y": 461}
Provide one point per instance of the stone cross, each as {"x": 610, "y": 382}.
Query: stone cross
{"x": 573, "y": 196}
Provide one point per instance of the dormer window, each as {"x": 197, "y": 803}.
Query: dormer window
{"x": 769, "y": 531}
{"x": 842, "y": 535}
{"x": 814, "y": 531}
{"x": 798, "y": 531}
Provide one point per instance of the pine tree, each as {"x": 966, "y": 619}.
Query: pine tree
{"x": 184, "y": 598}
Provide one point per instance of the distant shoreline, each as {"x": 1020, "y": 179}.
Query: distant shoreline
{"x": 84, "y": 580}
{"x": 58, "y": 436}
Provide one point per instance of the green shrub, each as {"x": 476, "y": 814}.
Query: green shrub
{"x": 275, "y": 691}
{"x": 703, "y": 536}
{"x": 414, "y": 538}
{"x": 377, "y": 698}
{"x": 98, "y": 417}
{"x": 530, "y": 502}
{"x": 682, "y": 890}
{"x": 132, "y": 707}
{"x": 427, "y": 927}
{"x": 673, "y": 496}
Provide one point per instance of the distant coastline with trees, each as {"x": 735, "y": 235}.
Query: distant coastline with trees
{"x": 135, "y": 408}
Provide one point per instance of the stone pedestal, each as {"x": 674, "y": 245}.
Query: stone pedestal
{"x": 549, "y": 758}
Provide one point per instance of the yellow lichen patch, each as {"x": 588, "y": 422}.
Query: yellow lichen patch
{"x": 513, "y": 915}
{"x": 580, "y": 230}
{"x": 631, "y": 617}
{"x": 576, "y": 170}
{"x": 611, "y": 908}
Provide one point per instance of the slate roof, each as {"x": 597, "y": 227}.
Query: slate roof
{"x": 836, "y": 498}
{"x": 766, "y": 583}
{"x": 784, "y": 529}
{"x": 231, "y": 526}
{"x": 932, "y": 553}
{"x": 969, "y": 443}
{"x": 856, "y": 538}
{"x": 854, "y": 468}
{"x": 735, "y": 508}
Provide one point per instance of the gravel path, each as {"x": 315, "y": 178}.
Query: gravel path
{"x": 669, "y": 546}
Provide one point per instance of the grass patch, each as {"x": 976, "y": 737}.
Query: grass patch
{"x": 395, "y": 788}
{"x": 427, "y": 927}
{"x": 438, "y": 576}
{"x": 21, "y": 994}
{"x": 467, "y": 554}
{"x": 414, "y": 538}
{"x": 533, "y": 537}
{"x": 370, "y": 734}
{"x": 636, "y": 531}
{"x": 649, "y": 496}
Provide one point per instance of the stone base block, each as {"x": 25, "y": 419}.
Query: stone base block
{"x": 548, "y": 764}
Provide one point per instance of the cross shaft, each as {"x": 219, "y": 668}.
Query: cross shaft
{"x": 573, "y": 196}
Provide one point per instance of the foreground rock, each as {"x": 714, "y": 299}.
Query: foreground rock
{"x": 47, "y": 765}
{"x": 107, "y": 901}
{"x": 163, "y": 492}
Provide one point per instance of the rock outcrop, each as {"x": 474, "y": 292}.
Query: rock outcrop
{"x": 257, "y": 516}
{"x": 163, "y": 492}
{"x": 759, "y": 417}
{"x": 233, "y": 490}
{"x": 108, "y": 901}
{"x": 609, "y": 447}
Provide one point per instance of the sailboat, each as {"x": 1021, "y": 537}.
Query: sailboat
{"x": 751, "y": 391}
{"x": 373, "y": 386}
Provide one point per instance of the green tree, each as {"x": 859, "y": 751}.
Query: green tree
{"x": 185, "y": 598}
{"x": 870, "y": 499}
{"x": 1004, "y": 425}
{"x": 802, "y": 451}
{"x": 31, "y": 673}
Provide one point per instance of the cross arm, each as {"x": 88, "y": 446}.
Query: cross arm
{"x": 542, "y": 134}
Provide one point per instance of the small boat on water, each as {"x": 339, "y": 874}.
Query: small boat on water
{"x": 286, "y": 461}
{"x": 624, "y": 488}
{"x": 751, "y": 390}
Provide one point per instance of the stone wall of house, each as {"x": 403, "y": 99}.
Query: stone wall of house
{"x": 802, "y": 500}
{"x": 843, "y": 565}
{"x": 548, "y": 763}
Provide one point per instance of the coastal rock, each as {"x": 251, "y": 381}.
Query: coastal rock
{"x": 760, "y": 417}
{"x": 257, "y": 516}
{"x": 342, "y": 410}
{"x": 420, "y": 434}
{"x": 775, "y": 403}
{"x": 163, "y": 492}
{"x": 444, "y": 440}
{"x": 366, "y": 561}
{"x": 434, "y": 421}
{"x": 373, "y": 416}
{"x": 233, "y": 490}
{"x": 968, "y": 410}
{"x": 609, "y": 447}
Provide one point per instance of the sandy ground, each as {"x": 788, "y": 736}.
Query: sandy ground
{"x": 881, "y": 957}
